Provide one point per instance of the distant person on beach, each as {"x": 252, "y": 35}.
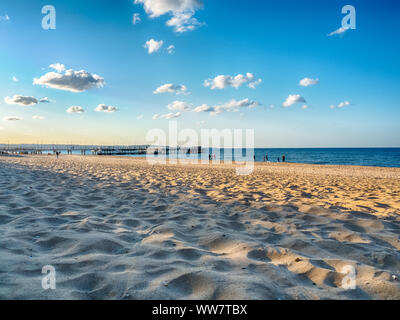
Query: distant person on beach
{"x": 266, "y": 157}
{"x": 209, "y": 157}
{"x": 283, "y": 158}
{"x": 279, "y": 159}
{"x": 57, "y": 154}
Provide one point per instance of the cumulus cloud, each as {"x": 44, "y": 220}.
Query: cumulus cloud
{"x": 70, "y": 80}
{"x": 105, "y": 108}
{"x": 167, "y": 116}
{"x": 341, "y": 105}
{"x": 304, "y": 107}
{"x": 57, "y": 66}
{"x": 21, "y": 100}
{"x": 11, "y": 119}
{"x": 171, "y": 49}
{"x": 222, "y": 81}
{"x": 293, "y": 99}
{"x": 341, "y": 30}
{"x": 306, "y": 82}
{"x": 140, "y": 117}
{"x": 231, "y": 106}
{"x": 15, "y": 79}
{"x": 203, "y": 108}
{"x": 183, "y": 22}
{"x": 136, "y": 18}
{"x": 156, "y": 8}
{"x": 153, "y": 45}
{"x": 182, "y": 12}
{"x": 36, "y": 117}
{"x": 179, "y": 106}
{"x": 75, "y": 109}
{"x": 170, "y": 88}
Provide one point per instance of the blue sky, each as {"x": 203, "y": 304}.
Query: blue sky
{"x": 280, "y": 43}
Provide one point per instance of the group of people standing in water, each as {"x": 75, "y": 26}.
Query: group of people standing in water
{"x": 278, "y": 159}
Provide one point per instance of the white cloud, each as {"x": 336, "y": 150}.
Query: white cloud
{"x": 171, "y": 49}
{"x": 304, "y": 107}
{"x": 4, "y": 18}
{"x": 21, "y": 100}
{"x": 12, "y": 119}
{"x": 183, "y": 22}
{"x": 45, "y": 100}
{"x": 341, "y": 105}
{"x": 222, "y": 81}
{"x": 341, "y": 30}
{"x": 136, "y": 18}
{"x": 153, "y": 45}
{"x": 170, "y": 88}
{"x": 139, "y": 117}
{"x": 70, "y": 80}
{"x": 231, "y": 106}
{"x": 156, "y": 8}
{"x": 57, "y": 66}
{"x": 15, "y": 79}
{"x": 203, "y": 108}
{"x": 254, "y": 84}
{"x": 344, "y": 104}
{"x": 105, "y": 108}
{"x": 167, "y": 116}
{"x": 179, "y": 106}
{"x": 293, "y": 99}
{"x": 306, "y": 82}
{"x": 182, "y": 12}
{"x": 36, "y": 117}
{"x": 75, "y": 109}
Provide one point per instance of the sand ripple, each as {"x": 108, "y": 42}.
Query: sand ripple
{"x": 118, "y": 228}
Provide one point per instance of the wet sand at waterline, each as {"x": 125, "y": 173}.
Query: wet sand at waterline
{"x": 120, "y": 228}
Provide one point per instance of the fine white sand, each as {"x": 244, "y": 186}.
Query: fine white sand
{"x": 120, "y": 228}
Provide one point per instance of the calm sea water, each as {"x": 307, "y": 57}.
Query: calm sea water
{"x": 381, "y": 157}
{"x": 378, "y": 157}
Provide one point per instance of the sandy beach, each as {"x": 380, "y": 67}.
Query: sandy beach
{"x": 120, "y": 228}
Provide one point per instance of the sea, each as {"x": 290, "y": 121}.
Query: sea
{"x": 375, "y": 157}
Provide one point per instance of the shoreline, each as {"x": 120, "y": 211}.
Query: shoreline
{"x": 208, "y": 162}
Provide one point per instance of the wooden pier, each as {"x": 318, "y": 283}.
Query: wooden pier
{"x": 94, "y": 149}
